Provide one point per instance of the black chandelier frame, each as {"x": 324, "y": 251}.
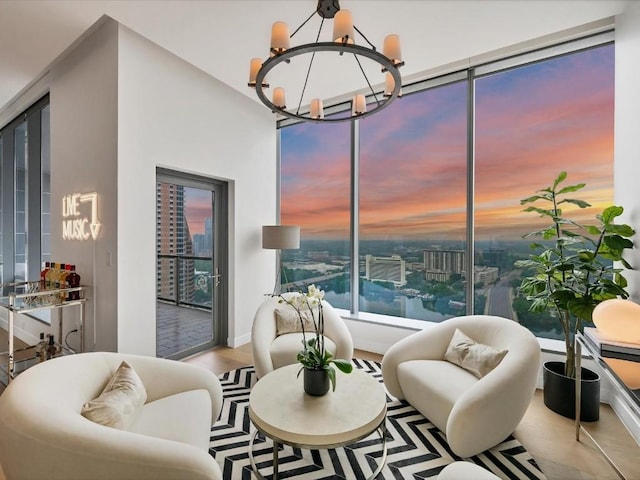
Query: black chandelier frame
{"x": 327, "y": 9}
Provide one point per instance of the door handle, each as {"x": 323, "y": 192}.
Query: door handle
{"x": 217, "y": 278}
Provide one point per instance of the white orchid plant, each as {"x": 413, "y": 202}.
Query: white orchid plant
{"x": 314, "y": 355}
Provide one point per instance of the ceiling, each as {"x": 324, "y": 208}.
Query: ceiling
{"x": 221, "y": 36}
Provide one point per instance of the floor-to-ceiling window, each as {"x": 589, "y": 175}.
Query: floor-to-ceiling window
{"x": 25, "y": 179}
{"x": 482, "y": 141}
{"x": 533, "y": 121}
{"x": 413, "y": 162}
{"x": 315, "y": 194}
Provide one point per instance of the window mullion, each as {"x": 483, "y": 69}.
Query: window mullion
{"x": 355, "y": 219}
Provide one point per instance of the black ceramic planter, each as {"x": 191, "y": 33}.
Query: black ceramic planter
{"x": 316, "y": 382}
{"x": 560, "y": 392}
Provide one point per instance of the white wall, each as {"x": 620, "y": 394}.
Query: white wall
{"x": 172, "y": 115}
{"x": 120, "y": 106}
{"x": 83, "y": 99}
{"x": 627, "y": 126}
{"x": 627, "y": 154}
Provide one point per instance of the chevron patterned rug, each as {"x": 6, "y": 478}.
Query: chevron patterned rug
{"x": 416, "y": 448}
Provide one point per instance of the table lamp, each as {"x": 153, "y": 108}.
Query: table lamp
{"x": 280, "y": 237}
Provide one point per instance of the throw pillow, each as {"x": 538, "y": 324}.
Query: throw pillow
{"x": 476, "y": 358}
{"x": 288, "y": 321}
{"x": 120, "y": 402}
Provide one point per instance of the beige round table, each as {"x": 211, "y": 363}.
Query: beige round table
{"x": 281, "y": 410}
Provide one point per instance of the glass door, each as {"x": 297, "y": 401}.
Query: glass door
{"x": 191, "y": 237}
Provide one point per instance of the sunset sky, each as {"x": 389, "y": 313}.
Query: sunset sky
{"x": 531, "y": 123}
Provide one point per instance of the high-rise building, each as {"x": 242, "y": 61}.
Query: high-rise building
{"x": 441, "y": 264}
{"x": 386, "y": 269}
{"x": 173, "y": 238}
{"x": 485, "y": 275}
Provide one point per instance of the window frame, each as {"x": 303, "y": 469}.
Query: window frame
{"x": 33, "y": 208}
{"x": 472, "y": 72}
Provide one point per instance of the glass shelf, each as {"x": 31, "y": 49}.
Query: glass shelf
{"x": 26, "y": 297}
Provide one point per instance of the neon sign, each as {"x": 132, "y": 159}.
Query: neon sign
{"x": 75, "y": 226}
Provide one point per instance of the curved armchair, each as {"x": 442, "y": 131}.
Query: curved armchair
{"x": 474, "y": 413}
{"x": 271, "y": 351}
{"x": 44, "y": 435}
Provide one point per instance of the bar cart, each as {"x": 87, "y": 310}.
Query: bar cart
{"x": 28, "y": 297}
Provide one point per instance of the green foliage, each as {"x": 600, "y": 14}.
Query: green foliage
{"x": 314, "y": 355}
{"x": 573, "y": 270}
{"x": 313, "y": 358}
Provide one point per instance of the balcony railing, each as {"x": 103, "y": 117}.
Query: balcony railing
{"x": 185, "y": 280}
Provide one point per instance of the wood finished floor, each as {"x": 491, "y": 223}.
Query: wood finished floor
{"x": 547, "y": 436}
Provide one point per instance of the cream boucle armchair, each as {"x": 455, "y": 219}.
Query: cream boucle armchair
{"x": 475, "y": 414}
{"x": 43, "y": 435}
{"x": 271, "y": 351}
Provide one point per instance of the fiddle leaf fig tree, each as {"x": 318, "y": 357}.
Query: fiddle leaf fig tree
{"x": 573, "y": 269}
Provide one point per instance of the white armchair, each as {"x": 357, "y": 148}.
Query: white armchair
{"x": 474, "y": 413}
{"x": 44, "y": 435}
{"x": 271, "y": 351}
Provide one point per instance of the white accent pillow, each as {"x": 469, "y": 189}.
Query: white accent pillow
{"x": 476, "y": 358}
{"x": 288, "y": 321}
{"x": 120, "y": 402}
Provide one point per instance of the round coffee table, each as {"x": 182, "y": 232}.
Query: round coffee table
{"x": 279, "y": 408}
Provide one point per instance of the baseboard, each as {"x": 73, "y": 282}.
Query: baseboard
{"x": 236, "y": 342}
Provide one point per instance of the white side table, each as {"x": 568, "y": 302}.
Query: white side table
{"x": 280, "y": 409}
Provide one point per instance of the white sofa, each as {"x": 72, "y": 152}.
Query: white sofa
{"x": 474, "y": 413}
{"x": 271, "y": 351}
{"x": 44, "y": 436}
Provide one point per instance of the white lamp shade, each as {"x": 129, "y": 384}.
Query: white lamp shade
{"x": 256, "y": 63}
{"x": 391, "y": 48}
{"x": 281, "y": 237}
{"x": 389, "y": 85}
{"x": 343, "y": 31}
{"x": 359, "y": 105}
{"x": 279, "y": 38}
{"x": 279, "y": 98}
{"x": 317, "y": 110}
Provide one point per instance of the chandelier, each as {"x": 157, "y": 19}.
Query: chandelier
{"x": 343, "y": 44}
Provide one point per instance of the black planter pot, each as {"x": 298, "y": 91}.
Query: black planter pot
{"x": 560, "y": 392}
{"x": 316, "y": 382}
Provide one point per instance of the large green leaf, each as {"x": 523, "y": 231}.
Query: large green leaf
{"x": 579, "y": 203}
{"x": 616, "y": 242}
{"x": 534, "y": 198}
{"x": 581, "y": 308}
{"x": 611, "y": 212}
{"x": 623, "y": 230}
{"x": 592, "y": 229}
{"x": 559, "y": 179}
{"x": 541, "y": 211}
{"x": 343, "y": 365}
{"x": 332, "y": 377}
{"x": 571, "y": 188}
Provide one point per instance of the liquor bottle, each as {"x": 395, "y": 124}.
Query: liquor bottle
{"x": 51, "y": 348}
{"x": 73, "y": 280}
{"x": 49, "y": 276}
{"x": 41, "y": 349}
{"x": 59, "y": 276}
{"x": 62, "y": 280}
{"x": 43, "y": 276}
